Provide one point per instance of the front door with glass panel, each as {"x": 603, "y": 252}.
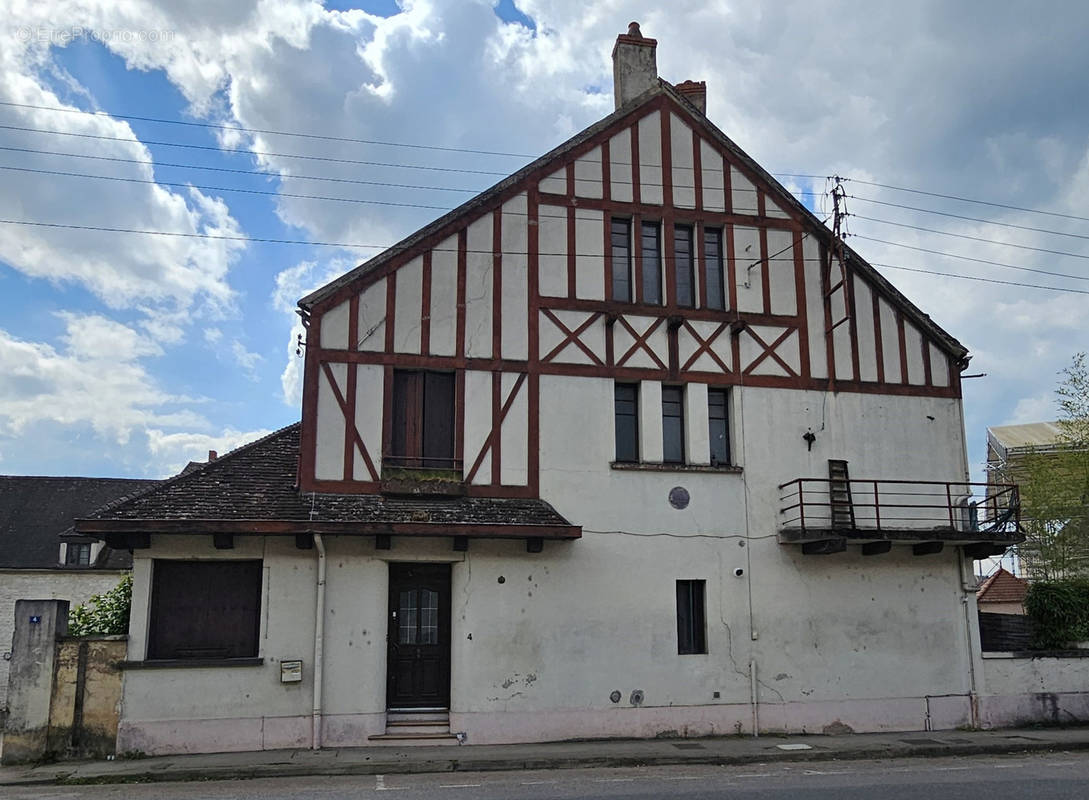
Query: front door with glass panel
{"x": 419, "y": 636}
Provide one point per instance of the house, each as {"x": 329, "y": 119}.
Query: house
{"x": 627, "y": 445}
{"x": 1053, "y": 472}
{"x": 35, "y": 563}
{"x": 1002, "y": 593}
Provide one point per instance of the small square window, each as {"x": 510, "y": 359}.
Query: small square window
{"x": 691, "y": 622}
{"x": 78, "y": 554}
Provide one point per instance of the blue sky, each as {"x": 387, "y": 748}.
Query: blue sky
{"x": 129, "y": 355}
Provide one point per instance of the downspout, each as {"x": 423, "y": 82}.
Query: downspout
{"x": 319, "y": 641}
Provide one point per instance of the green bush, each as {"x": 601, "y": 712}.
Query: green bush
{"x": 1060, "y": 610}
{"x": 105, "y": 614}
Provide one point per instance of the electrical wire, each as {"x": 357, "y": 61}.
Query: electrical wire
{"x": 267, "y": 131}
{"x": 969, "y": 219}
{"x": 971, "y": 238}
{"x": 351, "y": 246}
{"x": 972, "y": 258}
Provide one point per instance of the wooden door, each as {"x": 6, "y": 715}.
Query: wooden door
{"x": 419, "y": 636}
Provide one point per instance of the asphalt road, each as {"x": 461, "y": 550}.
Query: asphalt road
{"x": 1048, "y": 776}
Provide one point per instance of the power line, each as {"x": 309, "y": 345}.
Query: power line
{"x": 350, "y": 245}
{"x": 240, "y": 129}
{"x": 968, "y": 200}
{"x": 971, "y": 258}
{"x": 971, "y": 238}
{"x": 236, "y": 171}
{"x": 246, "y": 152}
{"x": 977, "y": 278}
{"x": 969, "y": 219}
{"x": 176, "y": 184}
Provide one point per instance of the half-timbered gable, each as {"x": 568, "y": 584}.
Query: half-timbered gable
{"x": 649, "y": 247}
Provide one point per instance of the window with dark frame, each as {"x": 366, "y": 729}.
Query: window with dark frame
{"x": 204, "y": 609}
{"x": 718, "y": 422}
{"x": 651, "y": 244}
{"x": 673, "y": 424}
{"x": 712, "y": 278}
{"x": 422, "y": 428}
{"x": 626, "y": 410}
{"x": 78, "y": 554}
{"x": 620, "y": 239}
{"x": 684, "y": 266}
{"x": 691, "y": 624}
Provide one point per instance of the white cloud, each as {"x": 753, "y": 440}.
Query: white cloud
{"x": 245, "y": 359}
{"x": 96, "y": 379}
{"x": 292, "y": 284}
{"x": 172, "y": 451}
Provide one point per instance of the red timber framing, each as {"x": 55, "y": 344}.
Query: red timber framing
{"x": 778, "y": 345}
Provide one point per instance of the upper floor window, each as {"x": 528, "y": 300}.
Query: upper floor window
{"x": 683, "y": 266}
{"x": 620, "y": 239}
{"x": 626, "y": 408}
{"x": 718, "y": 421}
{"x": 78, "y": 554}
{"x": 712, "y": 249}
{"x": 673, "y": 424}
{"x": 422, "y": 428}
{"x": 651, "y": 244}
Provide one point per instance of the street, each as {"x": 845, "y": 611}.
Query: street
{"x": 1046, "y": 776}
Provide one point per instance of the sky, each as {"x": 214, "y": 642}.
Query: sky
{"x": 348, "y": 123}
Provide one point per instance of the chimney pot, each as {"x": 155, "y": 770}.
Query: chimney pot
{"x": 695, "y": 92}
{"x": 212, "y": 455}
{"x": 635, "y": 65}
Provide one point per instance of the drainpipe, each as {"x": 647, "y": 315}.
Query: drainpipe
{"x": 319, "y": 641}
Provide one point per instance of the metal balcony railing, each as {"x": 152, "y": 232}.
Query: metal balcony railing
{"x": 886, "y": 506}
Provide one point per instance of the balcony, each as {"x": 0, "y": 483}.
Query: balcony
{"x": 823, "y": 515}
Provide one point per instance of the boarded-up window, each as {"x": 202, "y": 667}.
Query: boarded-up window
{"x": 422, "y": 428}
{"x": 620, "y": 240}
{"x": 652, "y": 263}
{"x": 204, "y": 609}
{"x": 683, "y": 265}
{"x": 718, "y": 421}
{"x": 712, "y": 249}
{"x": 626, "y": 400}
{"x": 673, "y": 424}
{"x": 691, "y": 625}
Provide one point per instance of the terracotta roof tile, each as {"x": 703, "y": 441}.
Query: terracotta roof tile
{"x": 1002, "y": 587}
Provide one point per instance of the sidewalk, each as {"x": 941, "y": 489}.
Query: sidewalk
{"x": 555, "y": 755}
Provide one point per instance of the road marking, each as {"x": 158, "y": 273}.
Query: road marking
{"x": 829, "y": 772}
{"x": 613, "y": 780}
{"x": 682, "y": 777}
{"x": 950, "y": 769}
{"x": 755, "y": 775}
{"x": 459, "y": 785}
{"x": 536, "y": 783}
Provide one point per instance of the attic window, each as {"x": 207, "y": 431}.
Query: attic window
{"x": 78, "y": 554}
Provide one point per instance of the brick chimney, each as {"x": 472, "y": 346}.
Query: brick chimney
{"x": 635, "y": 65}
{"x": 212, "y": 455}
{"x": 695, "y": 92}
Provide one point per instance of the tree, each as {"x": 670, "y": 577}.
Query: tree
{"x": 104, "y": 614}
{"x": 1054, "y": 481}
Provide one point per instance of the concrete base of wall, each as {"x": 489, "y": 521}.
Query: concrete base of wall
{"x": 354, "y": 730}
{"x": 1047, "y": 708}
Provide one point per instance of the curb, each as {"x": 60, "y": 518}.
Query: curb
{"x": 471, "y": 764}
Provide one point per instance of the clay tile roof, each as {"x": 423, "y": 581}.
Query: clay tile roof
{"x": 35, "y": 510}
{"x": 256, "y": 483}
{"x": 1002, "y": 587}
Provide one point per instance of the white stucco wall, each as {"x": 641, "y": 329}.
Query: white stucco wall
{"x": 24, "y": 584}
{"x": 1020, "y": 691}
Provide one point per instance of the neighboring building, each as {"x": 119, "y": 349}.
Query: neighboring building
{"x": 1002, "y": 593}
{"x": 1054, "y": 476}
{"x": 613, "y": 449}
{"x": 35, "y": 564}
